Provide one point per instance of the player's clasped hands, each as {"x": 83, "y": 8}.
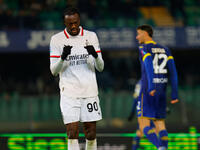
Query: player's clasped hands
{"x": 66, "y": 51}
{"x": 91, "y": 51}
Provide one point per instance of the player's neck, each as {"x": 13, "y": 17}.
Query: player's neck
{"x": 148, "y": 39}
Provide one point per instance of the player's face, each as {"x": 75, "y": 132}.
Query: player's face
{"x": 141, "y": 36}
{"x": 72, "y": 22}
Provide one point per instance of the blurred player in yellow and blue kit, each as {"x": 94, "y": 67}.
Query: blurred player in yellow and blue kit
{"x": 139, "y": 134}
{"x": 156, "y": 63}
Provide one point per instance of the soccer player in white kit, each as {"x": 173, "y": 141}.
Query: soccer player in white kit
{"x": 74, "y": 55}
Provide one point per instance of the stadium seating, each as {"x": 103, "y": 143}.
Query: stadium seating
{"x": 47, "y": 15}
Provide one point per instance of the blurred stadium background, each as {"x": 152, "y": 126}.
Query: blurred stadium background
{"x": 29, "y": 94}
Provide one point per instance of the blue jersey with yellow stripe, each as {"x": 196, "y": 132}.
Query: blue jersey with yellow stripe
{"x": 163, "y": 64}
{"x": 157, "y": 64}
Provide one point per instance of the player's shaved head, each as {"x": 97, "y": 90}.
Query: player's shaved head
{"x": 146, "y": 28}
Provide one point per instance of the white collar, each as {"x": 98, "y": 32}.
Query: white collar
{"x": 68, "y": 35}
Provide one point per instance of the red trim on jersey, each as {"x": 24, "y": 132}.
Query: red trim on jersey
{"x": 82, "y": 32}
{"x": 54, "y": 56}
{"x": 99, "y": 51}
{"x": 66, "y": 34}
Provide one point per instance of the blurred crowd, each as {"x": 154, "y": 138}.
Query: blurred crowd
{"x": 47, "y": 14}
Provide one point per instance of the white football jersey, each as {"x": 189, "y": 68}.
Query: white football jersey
{"x": 77, "y": 77}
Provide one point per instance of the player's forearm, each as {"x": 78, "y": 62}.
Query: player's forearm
{"x": 150, "y": 75}
{"x": 174, "y": 79}
{"x": 56, "y": 67}
{"x": 99, "y": 63}
{"x": 174, "y": 83}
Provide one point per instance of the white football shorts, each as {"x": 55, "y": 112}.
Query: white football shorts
{"x": 80, "y": 109}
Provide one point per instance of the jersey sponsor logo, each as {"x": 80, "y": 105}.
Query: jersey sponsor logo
{"x": 160, "y": 80}
{"x": 78, "y": 62}
{"x": 78, "y": 59}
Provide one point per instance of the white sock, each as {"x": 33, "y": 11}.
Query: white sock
{"x": 162, "y": 148}
{"x": 73, "y": 144}
{"x": 91, "y": 144}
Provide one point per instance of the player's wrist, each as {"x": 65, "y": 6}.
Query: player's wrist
{"x": 61, "y": 60}
{"x": 97, "y": 58}
{"x": 95, "y": 55}
{"x": 64, "y": 56}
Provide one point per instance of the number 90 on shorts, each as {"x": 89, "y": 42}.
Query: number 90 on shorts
{"x": 80, "y": 109}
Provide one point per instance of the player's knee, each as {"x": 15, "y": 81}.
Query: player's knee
{"x": 139, "y": 133}
{"x": 72, "y": 134}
